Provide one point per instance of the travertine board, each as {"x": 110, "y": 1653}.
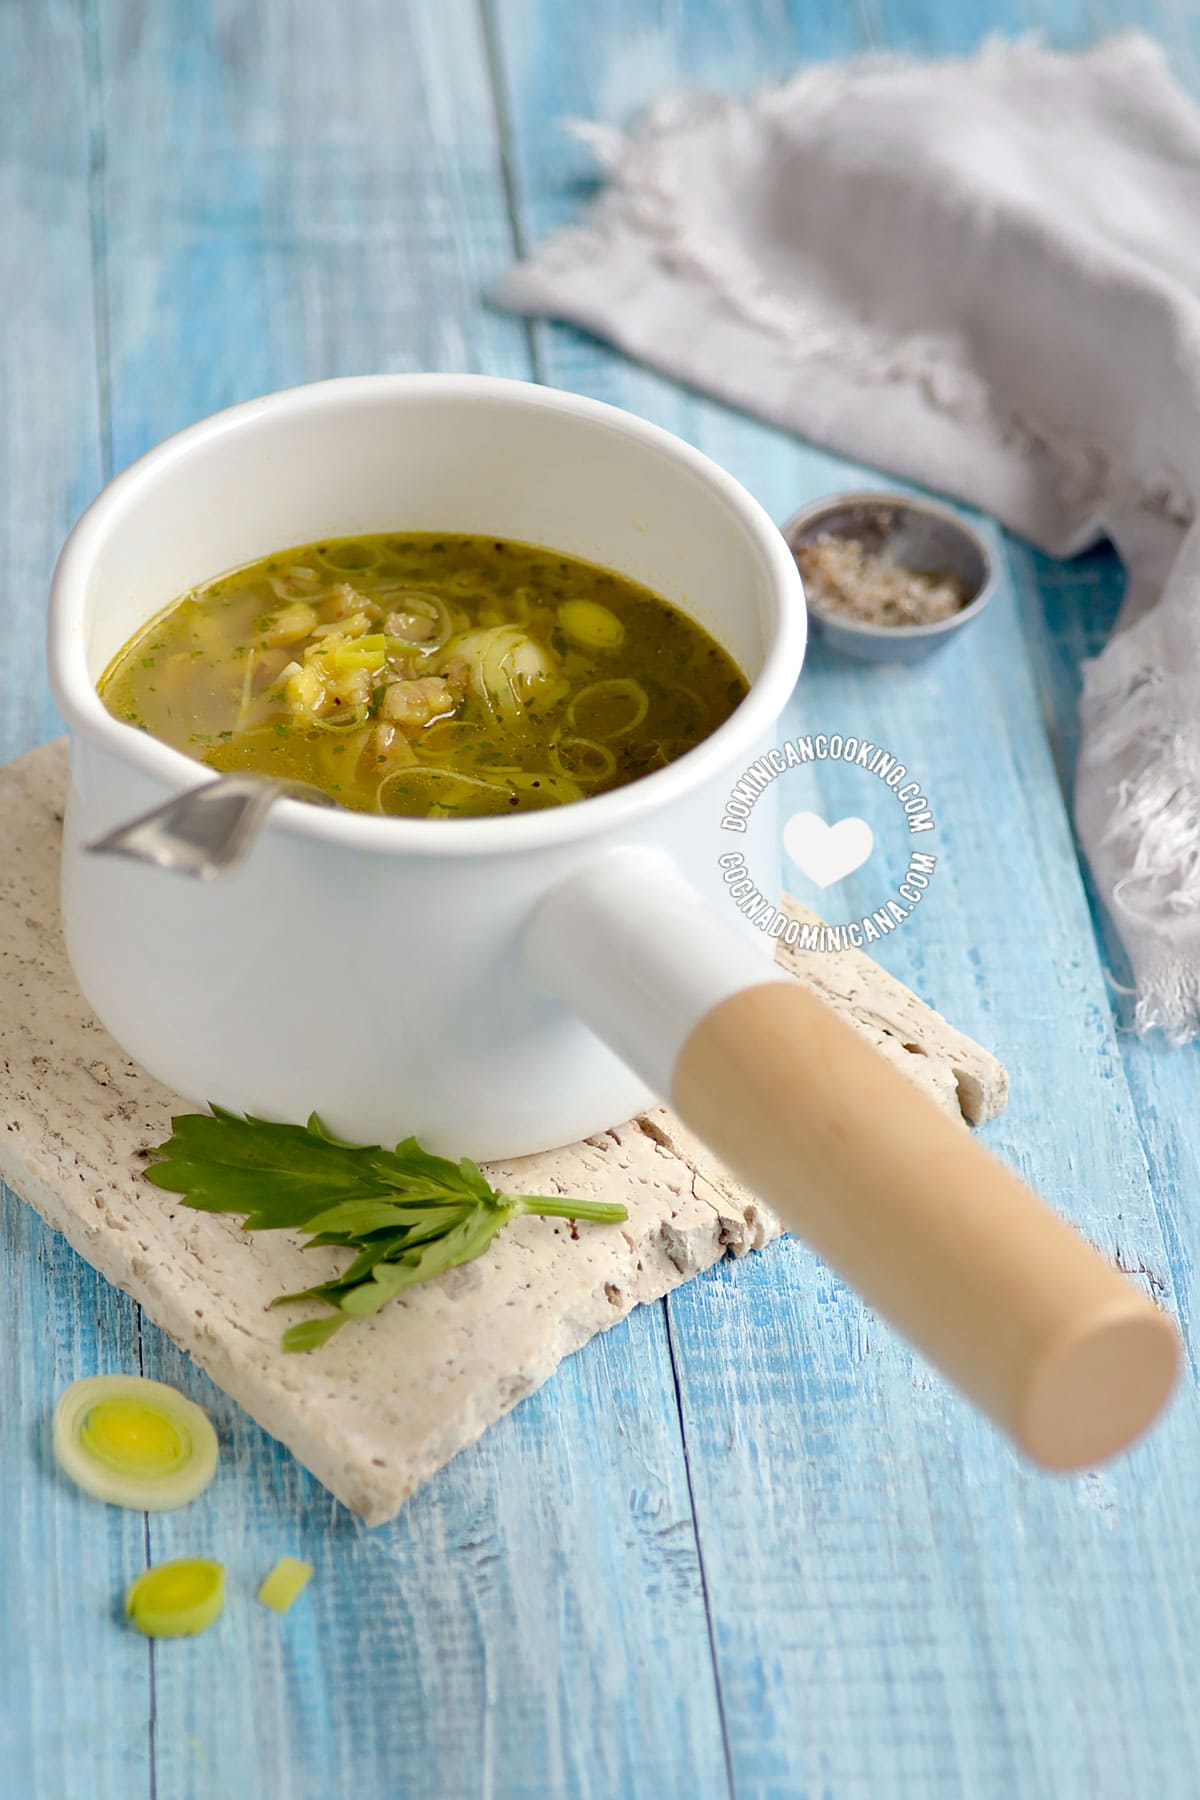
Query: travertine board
{"x": 76, "y": 1113}
{"x": 950, "y": 1066}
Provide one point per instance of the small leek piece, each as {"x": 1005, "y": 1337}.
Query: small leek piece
{"x": 177, "y": 1599}
{"x": 507, "y": 667}
{"x": 134, "y": 1442}
{"x": 593, "y": 626}
{"x": 359, "y": 653}
{"x": 608, "y": 709}
{"x": 406, "y": 1215}
{"x": 582, "y": 759}
{"x": 286, "y": 1582}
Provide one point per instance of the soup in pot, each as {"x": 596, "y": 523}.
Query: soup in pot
{"x": 429, "y": 675}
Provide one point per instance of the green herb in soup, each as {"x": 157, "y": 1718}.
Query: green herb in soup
{"x": 428, "y": 675}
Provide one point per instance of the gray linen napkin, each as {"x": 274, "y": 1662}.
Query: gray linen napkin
{"x": 983, "y": 274}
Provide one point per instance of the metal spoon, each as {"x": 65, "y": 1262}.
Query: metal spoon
{"x": 207, "y": 831}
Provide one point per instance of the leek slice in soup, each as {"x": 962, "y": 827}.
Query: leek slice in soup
{"x": 428, "y": 675}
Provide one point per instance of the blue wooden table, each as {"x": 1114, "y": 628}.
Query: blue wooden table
{"x": 745, "y": 1543}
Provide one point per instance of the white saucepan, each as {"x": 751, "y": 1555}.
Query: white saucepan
{"x": 500, "y": 985}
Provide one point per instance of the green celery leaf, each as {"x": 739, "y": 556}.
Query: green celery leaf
{"x": 417, "y": 1163}
{"x": 475, "y": 1179}
{"x": 463, "y": 1244}
{"x": 356, "y": 1218}
{"x": 283, "y": 1175}
{"x": 318, "y": 1130}
{"x": 407, "y": 1215}
{"x": 310, "y": 1334}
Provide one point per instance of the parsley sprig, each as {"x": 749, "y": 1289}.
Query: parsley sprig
{"x": 406, "y": 1214}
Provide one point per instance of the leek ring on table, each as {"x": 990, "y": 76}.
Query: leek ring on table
{"x": 134, "y": 1443}
{"x": 176, "y": 1599}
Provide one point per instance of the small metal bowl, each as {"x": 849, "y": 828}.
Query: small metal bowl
{"x": 923, "y": 535}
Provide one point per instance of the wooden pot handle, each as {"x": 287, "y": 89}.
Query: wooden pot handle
{"x": 1062, "y": 1351}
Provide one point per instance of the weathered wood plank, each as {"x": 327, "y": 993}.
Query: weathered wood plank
{"x": 75, "y": 1692}
{"x": 912, "y": 1613}
{"x": 49, "y": 437}
{"x": 532, "y": 1624}
{"x": 293, "y": 191}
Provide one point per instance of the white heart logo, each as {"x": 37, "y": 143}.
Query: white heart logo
{"x": 827, "y": 853}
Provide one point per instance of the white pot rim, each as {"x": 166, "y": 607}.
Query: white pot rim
{"x": 595, "y": 817}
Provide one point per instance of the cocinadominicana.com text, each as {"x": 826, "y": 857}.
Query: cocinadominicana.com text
{"x": 768, "y": 919}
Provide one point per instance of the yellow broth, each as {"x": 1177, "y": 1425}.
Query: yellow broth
{"x": 427, "y": 675}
